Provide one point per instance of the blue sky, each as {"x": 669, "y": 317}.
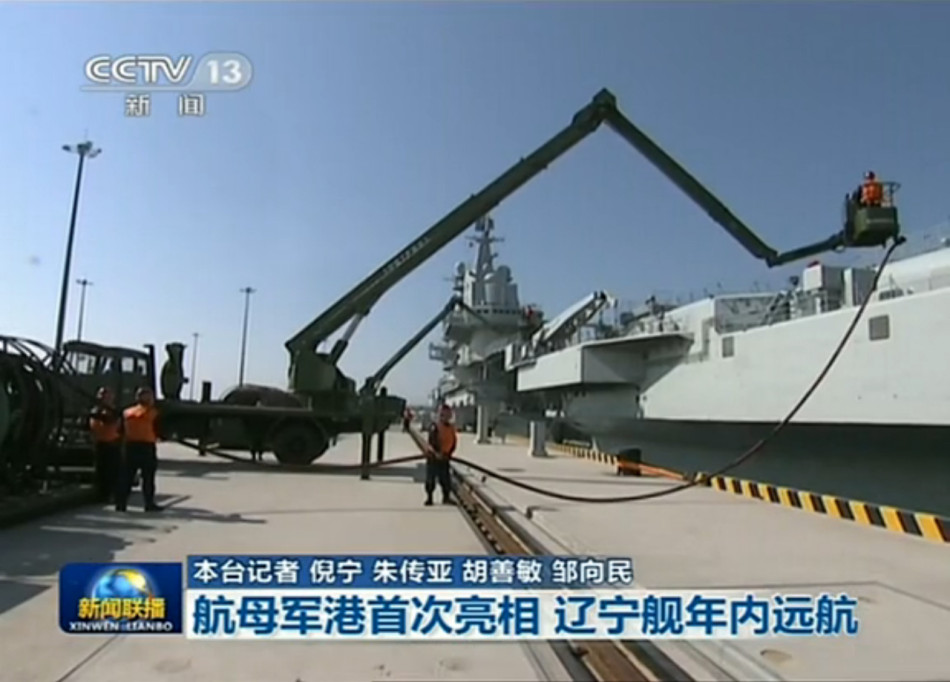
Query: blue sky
{"x": 366, "y": 123}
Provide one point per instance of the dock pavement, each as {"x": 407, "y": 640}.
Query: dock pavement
{"x": 701, "y": 538}
{"x": 216, "y": 506}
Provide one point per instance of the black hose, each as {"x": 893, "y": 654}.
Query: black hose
{"x": 33, "y": 411}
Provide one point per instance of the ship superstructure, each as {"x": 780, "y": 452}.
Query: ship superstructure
{"x": 472, "y": 348}
{"x": 720, "y": 372}
{"x": 743, "y": 358}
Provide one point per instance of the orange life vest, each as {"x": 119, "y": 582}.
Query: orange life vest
{"x": 140, "y": 424}
{"x": 448, "y": 438}
{"x": 872, "y": 192}
{"x": 104, "y": 427}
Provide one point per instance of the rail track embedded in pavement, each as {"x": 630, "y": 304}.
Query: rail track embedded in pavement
{"x": 604, "y": 661}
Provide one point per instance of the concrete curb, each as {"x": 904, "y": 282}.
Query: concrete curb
{"x": 918, "y": 524}
{"x": 606, "y": 458}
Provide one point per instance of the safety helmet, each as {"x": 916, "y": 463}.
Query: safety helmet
{"x": 870, "y": 175}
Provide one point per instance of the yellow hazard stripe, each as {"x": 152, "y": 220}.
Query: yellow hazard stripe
{"x": 919, "y": 524}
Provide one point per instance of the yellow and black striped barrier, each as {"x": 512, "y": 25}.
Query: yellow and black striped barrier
{"x": 585, "y": 453}
{"x": 919, "y": 524}
{"x": 928, "y": 526}
{"x": 606, "y": 458}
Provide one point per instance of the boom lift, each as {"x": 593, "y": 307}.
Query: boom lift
{"x": 313, "y": 373}
{"x": 335, "y": 404}
{"x": 373, "y": 384}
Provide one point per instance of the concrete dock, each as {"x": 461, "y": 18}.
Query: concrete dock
{"x": 702, "y": 538}
{"x": 219, "y": 506}
{"x": 699, "y": 538}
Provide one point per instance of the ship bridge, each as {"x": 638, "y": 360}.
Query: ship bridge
{"x": 490, "y": 292}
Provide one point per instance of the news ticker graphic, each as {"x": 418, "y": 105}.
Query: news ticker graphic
{"x": 129, "y": 598}
{"x": 495, "y": 615}
{"x": 384, "y": 597}
{"x": 407, "y": 572}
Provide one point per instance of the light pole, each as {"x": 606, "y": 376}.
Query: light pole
{"x": 84, "y": 150}
{"x": 247, "y": 291}
{"x": 194, "y": 365}
{"x": 82, "y": 305}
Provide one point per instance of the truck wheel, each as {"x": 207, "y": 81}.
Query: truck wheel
{"x": 299, "y": 444}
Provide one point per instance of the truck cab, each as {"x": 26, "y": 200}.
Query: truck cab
{"x": 91, "y": 366}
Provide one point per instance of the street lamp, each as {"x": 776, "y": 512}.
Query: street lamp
{"x": 194, "y": 365}
{"x": 247, "y": 291}
{"x": 82, "y": 305}
{"x": 84, "y": 150}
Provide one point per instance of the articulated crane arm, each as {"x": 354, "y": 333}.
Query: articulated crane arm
{"x": 312, "y": 372}
{"x": 373, "y": 383}
{"x": 569, "y": 322}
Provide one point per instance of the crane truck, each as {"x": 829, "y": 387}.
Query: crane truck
{"x": 300, "y": 424}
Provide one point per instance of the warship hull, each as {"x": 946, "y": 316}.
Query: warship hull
{"x": 695, "y": 395}
{"x": 896, "y": 464}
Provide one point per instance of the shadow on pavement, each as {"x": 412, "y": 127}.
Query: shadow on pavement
{"x": 38, "y": 553}
{"x": 13, "y": 593}
{"x": 173, "y": 509}
{"x": 32, "y": 554}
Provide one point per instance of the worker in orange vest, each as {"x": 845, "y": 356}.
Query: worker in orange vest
{"x": 141, "y": 428}
{"x": 872, "y": 191}
{"x": 443, "y": 439}
{"x": 105, "y": 425}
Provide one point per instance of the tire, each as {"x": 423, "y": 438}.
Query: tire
{"x": 299, "y": 444}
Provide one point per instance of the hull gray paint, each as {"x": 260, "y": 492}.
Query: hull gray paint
{"x": 696, "y": 385}
{"x": 897, "y": 465}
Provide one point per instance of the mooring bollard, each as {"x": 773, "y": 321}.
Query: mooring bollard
{"x": 538, "y": 437}
{"x": 629, "y": 461}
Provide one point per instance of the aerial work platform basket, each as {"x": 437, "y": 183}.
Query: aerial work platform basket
{"x": 875, "y": 224}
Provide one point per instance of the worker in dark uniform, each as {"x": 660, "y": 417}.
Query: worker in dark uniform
{"x": 105, "y": 425}
{"x": 407, "y": 419}
{"x": 141, "y": 429}
{"x": 443, "y": 439}
{"x": 872, "y": 191}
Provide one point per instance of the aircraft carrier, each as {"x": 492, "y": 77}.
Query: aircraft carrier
{"x": 695, "y": 385}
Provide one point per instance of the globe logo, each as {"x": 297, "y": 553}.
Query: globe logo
{"x": 122, "y": 583}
